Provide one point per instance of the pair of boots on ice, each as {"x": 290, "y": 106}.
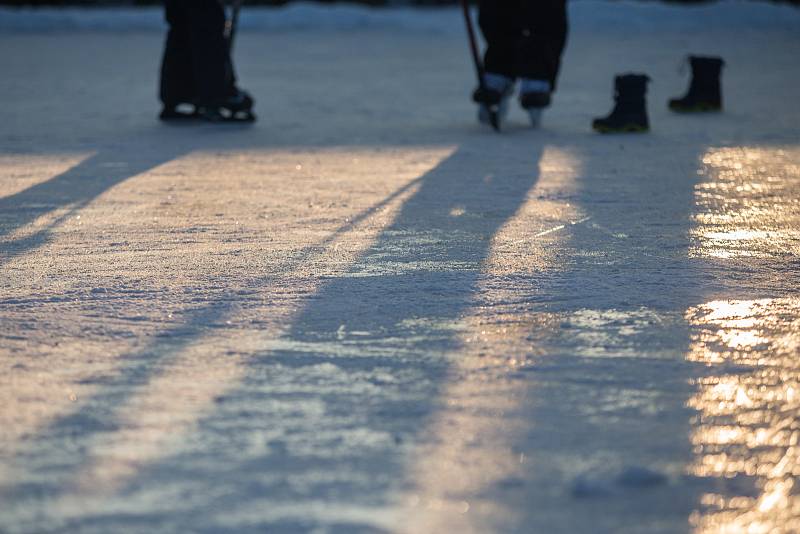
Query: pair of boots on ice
{"x": 630, "y": 108}
{"x": 197, "y": 75}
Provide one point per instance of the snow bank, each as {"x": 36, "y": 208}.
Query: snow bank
{"x": 586, "y": 15}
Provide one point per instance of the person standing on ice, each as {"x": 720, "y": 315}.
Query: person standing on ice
{"x": 197, "y": 69}
{"x": 525, "y": 40}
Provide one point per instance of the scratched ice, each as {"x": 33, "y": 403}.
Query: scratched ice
{"x": 368, "y": 314}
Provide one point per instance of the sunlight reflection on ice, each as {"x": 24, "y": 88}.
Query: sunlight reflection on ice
{"x": 747, "y": 430}
{"x": 744, "y": 209}
{"x": 748, "y": 422}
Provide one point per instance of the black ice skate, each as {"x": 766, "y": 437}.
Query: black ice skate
{"x": 630, "y": 111}
{"x": 705, "y": 91}
{"x": 493, "y": 97}
{"x": 235, "y": 108}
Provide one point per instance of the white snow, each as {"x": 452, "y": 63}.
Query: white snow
{"x": 367, "y": 313}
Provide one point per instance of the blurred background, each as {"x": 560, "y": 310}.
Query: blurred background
{"x": 283, "y": 2}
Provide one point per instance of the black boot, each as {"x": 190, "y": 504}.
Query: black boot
{"x": 630, "y": 111}
{"x": 705, "y": 92}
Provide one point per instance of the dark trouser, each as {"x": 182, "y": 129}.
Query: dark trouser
{"x": 525, "y": 37}
{"x": 197, "y": 66}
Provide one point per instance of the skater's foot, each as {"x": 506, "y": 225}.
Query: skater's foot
{"x": 238, "y": 102}
{"x": 535, "y": 116}
{"x": 493, "y": 98}
{"x": 178, "y": 112}
{"x": 235, "y": 108}
{"x": 534, "y": 97}
{"x": 221, "y": 114}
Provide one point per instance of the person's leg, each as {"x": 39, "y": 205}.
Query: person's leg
{"x": 211, "y": 61}
{"x": 177, "y": 85}
{"x": 198, "y": 51}
{"x": 539, "y": 48}
{"x": 498, "y": 23}
{"x": 542, "y": 41}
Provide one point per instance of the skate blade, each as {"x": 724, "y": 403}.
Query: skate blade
{"x": 239, "y": 117}
{"x": 242, "y": 117}
{"x": 178, "y": 116}
{"x": 485, "y": 113}
{"x": 535, "y": 116}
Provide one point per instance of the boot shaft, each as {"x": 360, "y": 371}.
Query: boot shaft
{"x": 630, "y": 91}
{"x": 706, "y": 73}
{"x": 705, "y": 88}
{"x": 706, "y": 67}
{"x": 631, "y": 86}
{"x": 630, "y": 107}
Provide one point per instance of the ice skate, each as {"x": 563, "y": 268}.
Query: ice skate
{"x": 236, "y": 108}
{"x": 535, "y": 96}
{"x": 180, "y": 112}
{"x": 630, "y": 110}
{"x": 493, "y": 99}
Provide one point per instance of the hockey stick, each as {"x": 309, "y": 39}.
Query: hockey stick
{"x": 232, "y": 24}
{"x": 494, "y": 115}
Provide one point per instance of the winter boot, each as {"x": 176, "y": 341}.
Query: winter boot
{"x": 534, "y": 97}
{"x": 493, "y": 96}
{"x": 705, "y": 92}
{"x": 630, "y": 111}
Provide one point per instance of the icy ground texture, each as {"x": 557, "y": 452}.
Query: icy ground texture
{"x": 366, "y": 313}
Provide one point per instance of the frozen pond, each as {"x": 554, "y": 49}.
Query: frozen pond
{"x": 367, "y": 314}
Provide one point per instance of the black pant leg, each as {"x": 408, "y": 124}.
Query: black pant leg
{"x": 543, "y": 39}
{"x": 498, "y": 20}
{"x": 213, "y": 70}
{"x": 177, "y": 73}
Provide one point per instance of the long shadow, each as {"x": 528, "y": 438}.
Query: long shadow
{"x": 67, "y": 193}
{"x": 609, "y": 430}
{"x": 364, "y": 361}
{"x": 96, "y": 415}
{"x": 611, "y": 427}
{"x": 361, "y": 365}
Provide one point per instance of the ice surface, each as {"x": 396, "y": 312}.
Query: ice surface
{"x": 367, "y": 313}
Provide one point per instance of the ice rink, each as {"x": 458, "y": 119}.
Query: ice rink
{"x": 367, "y": 313}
